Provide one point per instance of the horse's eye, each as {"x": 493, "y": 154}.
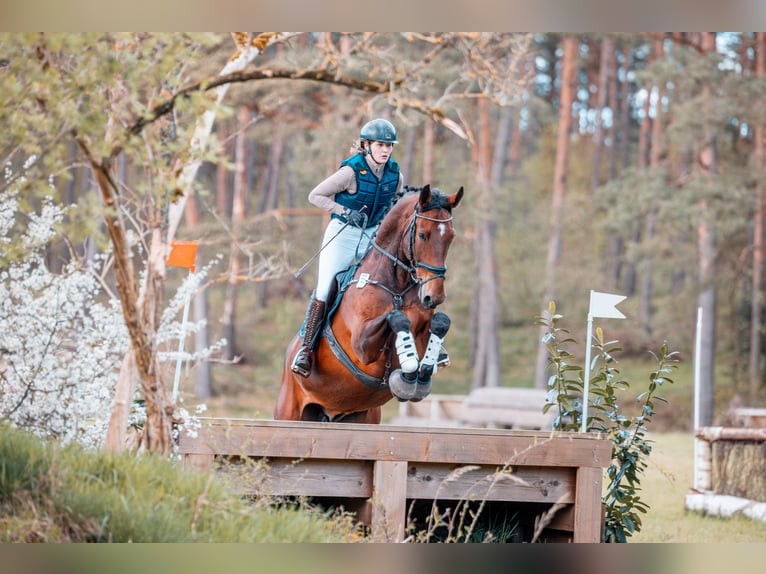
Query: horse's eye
{"x": 422, "y": 236}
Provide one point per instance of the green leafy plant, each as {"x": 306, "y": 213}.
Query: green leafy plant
{"x": 630, "y": 445}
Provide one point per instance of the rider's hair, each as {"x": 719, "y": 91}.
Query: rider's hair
{"x": 358, "y": 147}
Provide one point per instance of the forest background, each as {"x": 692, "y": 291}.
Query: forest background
{"x": 624, "y": 163}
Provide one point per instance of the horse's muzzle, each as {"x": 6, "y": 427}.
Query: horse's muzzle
{"x": 431, "y": 301}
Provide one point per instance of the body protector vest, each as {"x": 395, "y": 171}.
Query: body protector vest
{"x": 372, "y": 194}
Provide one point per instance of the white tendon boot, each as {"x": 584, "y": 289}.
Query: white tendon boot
{"x": 402, "y": 382}
{"x": 440, "y": 324}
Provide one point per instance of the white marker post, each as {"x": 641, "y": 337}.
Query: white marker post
{"x": 699, "y": 447}
{"x": 602, "y": 305}
{"x": 182, "y": 254}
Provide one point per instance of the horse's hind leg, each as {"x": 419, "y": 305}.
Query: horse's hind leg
{"x": 287, "y": 406}
{"x": 370, "y": 416}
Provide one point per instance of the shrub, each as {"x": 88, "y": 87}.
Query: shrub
{"x": 630, "y": 445}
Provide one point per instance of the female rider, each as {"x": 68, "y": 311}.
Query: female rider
{"x": 358, "y": 195}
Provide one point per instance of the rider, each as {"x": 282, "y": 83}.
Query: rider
{"x": 358, "y": 195}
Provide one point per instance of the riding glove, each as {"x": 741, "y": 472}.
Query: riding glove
{"x": 354, "y": 217}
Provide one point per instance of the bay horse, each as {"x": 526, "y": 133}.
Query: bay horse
{"x": 383, "y": 338}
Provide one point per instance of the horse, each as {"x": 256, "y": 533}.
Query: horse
{"x": 383, "y": 338}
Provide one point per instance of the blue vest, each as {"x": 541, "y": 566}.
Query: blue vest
{"x": 375, "y": 195}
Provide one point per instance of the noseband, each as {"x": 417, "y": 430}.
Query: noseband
{"x": 437, "y": 272}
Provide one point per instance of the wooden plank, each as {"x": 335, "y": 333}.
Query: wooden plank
{"x": 202, "y": 461}
{"x": 587, "y": 513}
{"x": 452, "y": 482}
{"x": 563, "y": 519}
{"x": 730, "y": 433}
{"x": 289, "y": 439}
{"x": 389, "y": 502}
{"x": 279, "y": 477}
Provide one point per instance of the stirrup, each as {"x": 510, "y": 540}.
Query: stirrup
{"x": 300, "y": 369}
{"x": 443, "y": 359}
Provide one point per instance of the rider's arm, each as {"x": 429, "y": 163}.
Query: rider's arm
{"x": 323, "y": 194}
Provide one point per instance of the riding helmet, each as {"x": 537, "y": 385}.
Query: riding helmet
{"x": 379, "y": 130}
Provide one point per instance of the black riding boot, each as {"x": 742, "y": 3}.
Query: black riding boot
{"x": 304, "y": 357}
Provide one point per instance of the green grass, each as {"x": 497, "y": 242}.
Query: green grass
{"x": 668, "y": 478}
{"x": 54, "y": 494}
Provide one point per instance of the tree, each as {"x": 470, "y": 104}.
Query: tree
{"x": 568, "y": 69}
{"x": 756, "y": 309}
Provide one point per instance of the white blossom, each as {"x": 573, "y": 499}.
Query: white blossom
{"x": 62, "y": 339}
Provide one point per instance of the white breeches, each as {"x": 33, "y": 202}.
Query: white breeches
{"x": 338, "y": 255}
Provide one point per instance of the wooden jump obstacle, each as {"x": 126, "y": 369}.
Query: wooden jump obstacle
{"x": 381, "y": 467}
{"x": 721, "y": 488}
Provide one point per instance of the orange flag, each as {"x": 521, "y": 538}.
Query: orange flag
{"x": 182, "y": 254}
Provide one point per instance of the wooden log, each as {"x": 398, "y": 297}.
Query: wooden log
{"x": 587, "y": 512}
{"x": 286, "y": 439}
{"x": 725, "y": 505}
{"x": 731, "y": 433}
{"x": 530, "y": 484}
{"x": 389, "y": 500}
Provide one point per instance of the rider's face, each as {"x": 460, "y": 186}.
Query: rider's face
{"x": 381, "y": 151}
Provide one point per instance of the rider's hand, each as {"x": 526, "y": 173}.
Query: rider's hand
{"x": 354, "y": 217}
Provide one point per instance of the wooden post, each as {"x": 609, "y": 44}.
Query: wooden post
{"x": 389, "y": 500}
{"x": 587, "y": 517}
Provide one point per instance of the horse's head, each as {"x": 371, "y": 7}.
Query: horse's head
{"x": 428, "y": 238}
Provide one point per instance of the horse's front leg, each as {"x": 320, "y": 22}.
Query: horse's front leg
{"x": 403, "y": 381}
{"x": 439, "y": 325}
{"x": 369, "y": 341}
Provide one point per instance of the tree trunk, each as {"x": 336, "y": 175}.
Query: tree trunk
{"x": 238, "y": 211}
{"x": 756, "y": 304}
{"x": 409, "y": 154}
{"x": 487, "y": 364}
{"x": 222, "y": 188}
{"x": 655, "y": 158}
{"x": 141, "y": 314}
{"x": 502, "y": 140}
{"x": 514, "y": 151}
{"x": 707, "y": 247}
{"x": 607, "y": 49}
{"x": 429, "y": 135}
{"x": 568, "y": 69}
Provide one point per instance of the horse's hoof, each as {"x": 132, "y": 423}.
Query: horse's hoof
{"x": 422, "y": 390}
{"x": 400, "y": 387}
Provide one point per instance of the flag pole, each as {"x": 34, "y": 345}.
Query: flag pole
{"x": 601, "y": 305}
{"x": 182, "y": 254}
{"x": 586, "y": 382}
{"x": 697, "y": 392}
{"x": 179, "y": 360}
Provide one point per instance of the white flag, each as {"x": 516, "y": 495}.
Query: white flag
{"x": 605, "y": 305}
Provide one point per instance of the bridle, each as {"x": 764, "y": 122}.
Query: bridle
{"x": 412, "y": 264}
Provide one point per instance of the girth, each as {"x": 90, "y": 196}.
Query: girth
{"x": 366, "y": 379}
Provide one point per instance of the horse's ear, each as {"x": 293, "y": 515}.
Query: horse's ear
{"x": 425, "y": 196}
{"x": 455, "y": 199}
